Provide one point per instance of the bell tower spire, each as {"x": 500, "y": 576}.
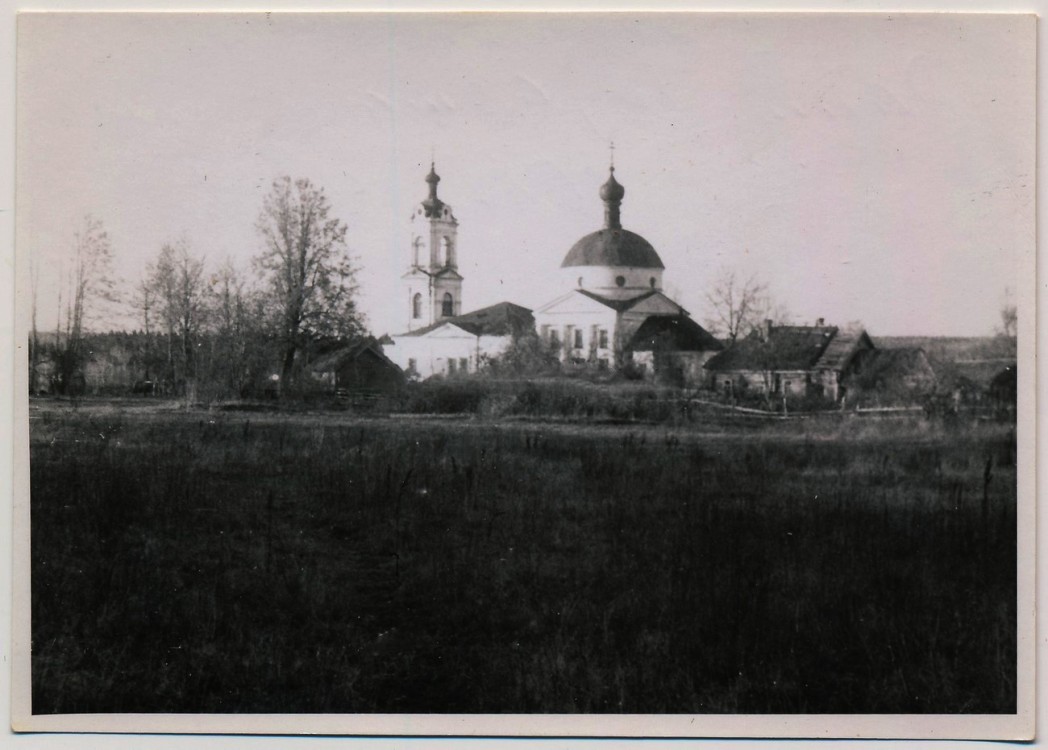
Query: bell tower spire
{"x": 433, "y": 283}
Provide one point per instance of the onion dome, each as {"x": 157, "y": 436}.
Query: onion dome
{"x": 612, "y": 191}
{"x": 433, "y": 204}
{"x": 612, "y": 245}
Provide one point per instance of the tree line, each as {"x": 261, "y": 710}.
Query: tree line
{"x": 220, "y": 328}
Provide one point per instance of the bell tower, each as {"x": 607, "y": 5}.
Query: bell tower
{"x": 432, "y": 285}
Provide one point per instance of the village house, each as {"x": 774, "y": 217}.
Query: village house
{"x": 791, "y": 361}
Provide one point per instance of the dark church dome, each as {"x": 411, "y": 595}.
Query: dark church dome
{"x": 613, "y": 247}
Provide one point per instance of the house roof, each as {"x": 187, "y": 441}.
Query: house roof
{"x": 842, "y": 347}
{"x": 909, "y": 363}
{"x": 978, "y": 372}
{"x": 335, "y": 359}
{"x": 502, "y": 319}
{"x": 675, "y": 332}
{"x": 791, "y": 348}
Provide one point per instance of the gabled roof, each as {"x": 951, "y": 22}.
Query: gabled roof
{"x": 335, "y": 359}
{"x": 790, "y": 348}
{"x": 675, "y": 332}
{"x": 894, "y": 364}
{"x": 431, "y": 327}
{"x": 502, "y": 319}
{"x": 842, "y": 347}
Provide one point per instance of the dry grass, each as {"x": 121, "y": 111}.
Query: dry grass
{"x": 268, "y": 563}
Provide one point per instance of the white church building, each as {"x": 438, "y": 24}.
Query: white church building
{"x": 612, "y": 313}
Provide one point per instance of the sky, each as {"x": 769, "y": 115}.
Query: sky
{"x": 875, "y": 168}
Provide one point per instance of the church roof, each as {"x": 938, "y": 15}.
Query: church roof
{"x": 502, "y": 319}
{"x": 613, "y": 247}
{"x": 618, "y": 303}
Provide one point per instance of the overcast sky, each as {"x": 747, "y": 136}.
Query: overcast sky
{"x": 876, "y": 168}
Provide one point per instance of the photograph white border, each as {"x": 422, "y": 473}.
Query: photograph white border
{"x": 809, "y": 726}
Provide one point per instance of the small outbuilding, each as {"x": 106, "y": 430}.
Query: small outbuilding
{"x": 891, "y": 377}
{"x": 357, "y": 368}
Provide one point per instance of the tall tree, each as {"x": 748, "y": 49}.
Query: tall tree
{"x": 177, "y": 281}
{"x": 91, "y": 286}
{"x": 307, "y": 270}
{"x": 232, "y": 328}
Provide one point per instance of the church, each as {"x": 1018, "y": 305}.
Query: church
{"x": 612, "y": 313}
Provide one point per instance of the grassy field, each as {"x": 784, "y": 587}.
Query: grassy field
{"x": 223, "y": 562}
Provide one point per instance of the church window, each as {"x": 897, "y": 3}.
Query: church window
{"x": 448, "y": 307}
{"x": 464, "y": 364}
{"x": 603, "y": 338}
{"x": 652, "y": 282}
{"x": 578, "y": 338}
{"x": 416, "y": 306}
{"x": 554, "y": 336}
{"x": 620, "y": 280}
{"x": 451, "y": 365}
{"x": 445, "y": 250}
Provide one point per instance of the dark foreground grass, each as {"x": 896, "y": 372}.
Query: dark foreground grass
{"x": 188, "y": 563}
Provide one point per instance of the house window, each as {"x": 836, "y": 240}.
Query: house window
{"x": 416, "y": 306}
{"x": 652, "y": 281}
{"x": 412, "y": 365}
{"x": 620, "y": 280}
{"x": 447, "y": 309}
{"x": 578, "y": 338}
{"x": 603, "y": 338}
{"x": 554, "y": 337}
{"x": 580, "y": 281}
{"x": 464, "y": 364}
{"x": 451, "y": 366}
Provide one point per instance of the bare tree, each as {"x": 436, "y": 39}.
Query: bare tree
{"x": 177, "y": 285}
{"x": 91, "y": 286}
{"x": 233, "y": 328}
{"x": 307, "y": 270}
{"x": 735, "y": 305}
